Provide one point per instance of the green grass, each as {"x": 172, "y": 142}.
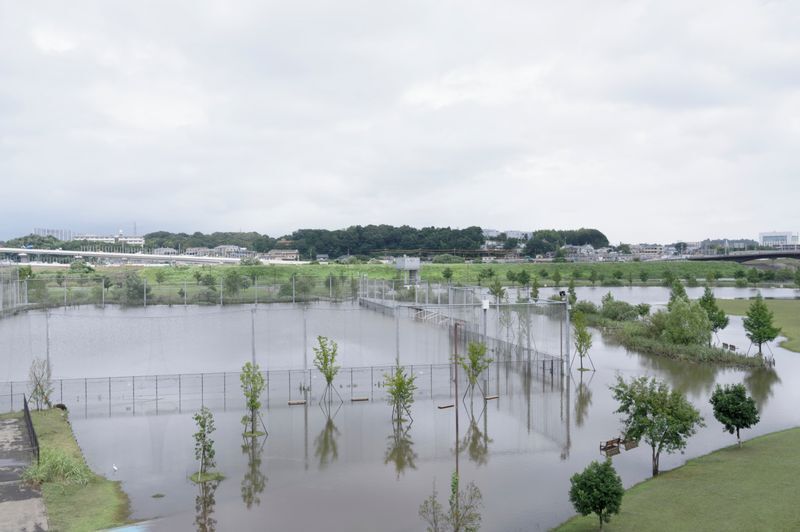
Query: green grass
{"x": 749, "y": 488}
{"x": 97, "y": 504}
{"x": 211, "y": 476}
{"x": 787, "y": 317}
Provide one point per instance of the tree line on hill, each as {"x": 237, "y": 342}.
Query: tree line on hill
{"x": 354, "y": 240}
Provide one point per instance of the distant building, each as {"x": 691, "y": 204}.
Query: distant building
{"x": 113, "y": 239}
{"x": 777, "y": 239}
{"x": 648, "y": 250}
{"x": 65, "y": 235}
{"x": 322, "y": 257}
{"x": 409, "y": 265}
{"x": 283, "y": 254}
{"x": 198, "y": 251}
{"x": 165, "y": 251}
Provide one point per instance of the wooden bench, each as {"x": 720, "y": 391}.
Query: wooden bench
{"x": 610, "y": 444}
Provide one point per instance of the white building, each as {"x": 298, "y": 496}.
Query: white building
{"x": 777, "y": 238}
{"x": 113, "y": 239}
{"x": 283, "y": 254}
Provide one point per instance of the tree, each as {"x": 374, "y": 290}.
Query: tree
{"x": 325, "y": 361}
{"x": 583, "y": 338}
{"x": 752, "y": 276}
{"x": 687, "y": 324}
{"x": 797, "y": 277}
{"x": 715, "y": 314}
{"x": 39, "y": 376}
{"x": 204, "y": 445}
{"x": 198, "y": 275}
{"x": 644, "y": 276}
{"x": 535, "y": 288}
{"x": 664, "y": 418}
{"x": 677, "y": 291}
{"x": 593, "y": 276}
{"x": 598, "y": 490}
{"x": 161, "y": 275}
{"x": 758, "y": 323}
{"x": 524, "y": 278}
{"x": 511, "y": 275}
{"x": 497, "y": 291}
{"x": 462, "y": 514}
{"x": 474, "y": 363}
{"x": 734, "y": 409}
{"x": 668, "y": 278}
{"x": 60, "y": 279}
{"x": 232, "y": 282}
{"x": 573, "y": 297}
{"x": 557, "y": 278}
{"x": 252, "y": 386}
{"x": 447, "y": 274}
{"x": 400, "y": 388}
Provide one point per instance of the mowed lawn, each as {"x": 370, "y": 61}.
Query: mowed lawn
{"x": 787, "y": 317}
{"x": 754, "y": 487}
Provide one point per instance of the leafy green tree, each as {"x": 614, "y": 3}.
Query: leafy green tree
{"x": 687, "y": 324}
{"x": 447, "y": 274}
{"x": 134, "y": 289}
{"x": 511, "y": 275}
{"x": 677, "y": 291}
{"x": 474, "y": 363}
{"x": 252, "y": 381}
{"x": 535, "y": 288}
{"x": 734, "y": 409}
{"x": 400, "y": 388}
{"x": 572, "y": 296}
{"x": 618, "y": 274}
{"x": 719, "y": 320}
{"x": 598, "y": 490}
{"x": 325, "y": 354}
{"x": 630, "y": 277}
{"x": 797, "y": 277}
{"x": 198, "y": 276}
{"x": 593, "y": 276}
{"x": 752, "y": 276}
{"x": 758, "y": 323}
{"x": 204, "y": 445}
{"x": 232, "y": 282}
{"x": 644, "y": 276}
{"x": 664, "y": 418}
{"x": 161, "y": 275}
{"x": 643, "y": 309}
{"x": 557, "y": 278}
{"x": 668, "y": 278}
{"x": 523, "y": 278}
{"x": 583, "y": 338}
{"x": 497, "y": 291}
{"x": 60, "y": 279}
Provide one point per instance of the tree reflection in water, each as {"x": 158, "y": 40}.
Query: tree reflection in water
{"x": 476, "y": 442}
{"x": 583, "y": 400}
{"x": 462, "y": 508}
{"x": 400, "y": 449}
{"x": 325, "y": 446}
{"x": 204, "y": 506}
{"x": 254, "y": 480}
{"x": 760, "y": 382}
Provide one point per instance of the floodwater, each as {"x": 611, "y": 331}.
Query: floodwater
{"x": 346, "y": 468}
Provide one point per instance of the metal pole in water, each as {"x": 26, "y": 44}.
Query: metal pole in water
{"x": 145, "y": 292}
{"x": 253, "y": 335}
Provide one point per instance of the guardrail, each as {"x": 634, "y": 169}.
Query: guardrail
{"x": 31, "y": 431}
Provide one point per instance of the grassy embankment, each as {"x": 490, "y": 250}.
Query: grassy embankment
{"x": 747, "y": 488}
{"x": 98, "y": 504}
{"x": 787, "y": 317}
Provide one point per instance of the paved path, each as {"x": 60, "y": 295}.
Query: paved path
{"x": 21, "y": 506}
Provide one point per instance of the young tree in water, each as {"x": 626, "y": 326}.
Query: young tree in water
{"x": 535, "y": 288}
{"x": 474, "y": 363}
{"x": 497, "y": 291}
{"x": 676, "y": 292}
{"x": 583, "y": 338}
{"x": 204, "y": 446}
{"x": 758, "y": 323}
{"x": 252, "y": 386}
{"x": 572, "y": 296}
{"x": 716, "y": 315}
{"x": 325, "y": 361}
{"x": 598, "y": 490}
{"x": 447, "y": 274}
{"x": 664, "y": 418}
{"x": 400, "y": 388}
{"x": 462, "y": 514}
{"x": 41, "y": 384}
{"x": 734, "y": 409}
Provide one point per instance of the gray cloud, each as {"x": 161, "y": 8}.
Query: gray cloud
{"x": 649, "y": 120}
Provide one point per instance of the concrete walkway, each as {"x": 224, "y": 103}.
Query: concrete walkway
{"x": 21, "y": 506}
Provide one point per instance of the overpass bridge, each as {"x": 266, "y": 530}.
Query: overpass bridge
{"x": 745, "y": 256}
{"x": 133, "y": 257}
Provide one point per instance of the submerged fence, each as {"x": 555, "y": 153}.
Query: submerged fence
{"x": 164, "y": 394}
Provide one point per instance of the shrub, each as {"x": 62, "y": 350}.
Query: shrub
{"x": 586, "y": 307}
{"x": 598, "y": 490}
{"x": 57, "y": 466}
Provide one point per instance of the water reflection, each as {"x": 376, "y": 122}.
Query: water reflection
{"x": 254, "y": 480}
{"x": 476, "y": 441}
{"x": 204, "y": 506}
{"x": 583, "y": 400}
{"x": 326, "y": 448}
{"x": 462, "y": 511}
{"x": 400, "y": 450}
{"x": 696, "y": 380}
{"x": 760, "y": 382}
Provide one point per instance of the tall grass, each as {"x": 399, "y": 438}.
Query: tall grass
{"x": 59, "y": 467}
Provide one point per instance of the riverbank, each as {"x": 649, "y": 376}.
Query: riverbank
{"x": 747, "y": 488}
{"x": 96, "y": 505}
{"x": 787, "y": 317}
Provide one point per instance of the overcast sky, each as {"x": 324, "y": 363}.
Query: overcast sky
{"x": 649, "y": 120}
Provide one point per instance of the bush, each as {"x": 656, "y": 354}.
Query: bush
{"x": 585, "y": 307}
{"x": 619, "y": 311}
{"x": 447, "y": 258}
{"x": 57, "y": 466}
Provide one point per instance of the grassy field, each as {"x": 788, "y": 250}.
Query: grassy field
{"x": 749, "y": 488}
{"x": 787, "y": 317}
{"x": 98, "y": 505}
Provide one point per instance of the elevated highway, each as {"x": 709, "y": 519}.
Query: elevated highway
{"x": 131, "y": 257}
{"x": 745, "y": 256}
